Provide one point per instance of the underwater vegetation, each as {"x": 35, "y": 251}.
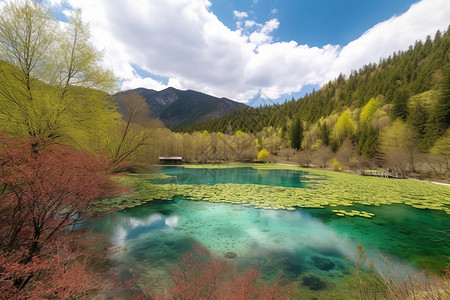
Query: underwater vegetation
{"x": 323, "y": 188}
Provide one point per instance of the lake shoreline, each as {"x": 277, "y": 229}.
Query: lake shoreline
{"x": 235, "y": 163}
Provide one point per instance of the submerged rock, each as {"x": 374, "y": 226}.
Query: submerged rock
{"x": 323, "y": 264}
{"x": 169, "y": 243}
{"x": 314, "y": 283}
{"x": 230, "y": 255}
{"x": 293, "y": 269}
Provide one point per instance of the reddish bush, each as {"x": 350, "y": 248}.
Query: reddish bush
{"x": 45, "y": 188}
{"x": 201, "y": 275}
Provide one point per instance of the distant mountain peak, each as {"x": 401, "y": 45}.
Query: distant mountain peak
{"x": 179, "y": 108}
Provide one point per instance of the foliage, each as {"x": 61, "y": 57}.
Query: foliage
{"x": 391, "y": 282}
{"x": 399, "y": 144}
{"x": 135, "y": 131}
{"x": 296, "y": 133}
{"x": 200, "y": 275}
{"x": 440, "y": 114}
{"x": 45, "y": 188}
{"x": 442, "y": 145}
{"x": 344, "y": 128}
{"x": 368, "y": 141}
{"x": 364, "y": 277}
{"x": 368, "y": 110}
{"x": 325, "y": 134}
{"x": 263, "y": 155}
{"x": 414, "y": 286}
{"x": 400, "y": 105}
{"x": 47, "y": 76}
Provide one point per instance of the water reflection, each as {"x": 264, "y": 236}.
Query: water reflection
{"x": 293, "y": 244}
{"x": 133, "y": 228}
{"x": 286, "y": 178}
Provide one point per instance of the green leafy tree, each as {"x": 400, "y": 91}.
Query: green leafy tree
{"x": 263, "y": 155}
{"x": 344, "y": 127}
{"x": 296, "y": 133}
{"x": 47, "y": 73}
{"x": 368, "y": 110}
{"x": 399, "y": 144}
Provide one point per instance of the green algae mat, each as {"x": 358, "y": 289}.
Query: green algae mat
{"x": 316, "y": 189}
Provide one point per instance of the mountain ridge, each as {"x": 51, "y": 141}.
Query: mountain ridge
{"x": 184, "y": 107}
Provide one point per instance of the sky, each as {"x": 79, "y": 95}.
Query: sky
{"x": 250, "y": 49}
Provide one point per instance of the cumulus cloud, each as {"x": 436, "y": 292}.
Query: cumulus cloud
{"x": 397, "y": 33}
{"x": 138, "y": 81}
{"x": 240, "y": 15}
{"x": 185, "y": 42}
{"x": 264, "y": 34}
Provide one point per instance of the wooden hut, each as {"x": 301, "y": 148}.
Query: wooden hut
{"x": 170, "y": 160}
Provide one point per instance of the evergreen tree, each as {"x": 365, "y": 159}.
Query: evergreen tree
{"x": 368, "y": 141}
{"x": 296, "y": 133}
{"x": 440, "y": 115}
{"x": 400, "y": 105}
{"x": 324, "y": 134}
{"x": 418, "y": 119}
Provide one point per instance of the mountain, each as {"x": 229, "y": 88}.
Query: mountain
{"x": 180, "y": 108}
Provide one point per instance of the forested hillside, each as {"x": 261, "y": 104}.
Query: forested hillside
{"x": 410, "y": 82}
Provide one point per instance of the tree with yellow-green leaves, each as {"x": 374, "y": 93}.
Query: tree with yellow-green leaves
{"x": 48, "y": 73}
{"x": 344, "y": 128}
{"x": 368, "y": 110}
{"x": 399, "y": 144}
{"x": 263, "y": 155}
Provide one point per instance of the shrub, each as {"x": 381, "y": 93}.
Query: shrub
{"x": 263, "y": 155}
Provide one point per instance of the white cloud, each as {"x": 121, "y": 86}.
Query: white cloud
{"x": 274, "y": 11}
{"x": 249, "y": 24}
{"x": 184, "y": 41}
{"x": 53, "y": 3}
{"x": 240, "y": 15}
{"x": 138, "y": 81}
{"x": 398, "y": 33}
{"x": 263, "y": 35}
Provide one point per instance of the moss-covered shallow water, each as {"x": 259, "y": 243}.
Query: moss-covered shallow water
{"x": 290, "y": 243}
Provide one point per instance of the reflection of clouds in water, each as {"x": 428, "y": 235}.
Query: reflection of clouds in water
{"x": 134, "y": 227}
{"x": 288, "y": 240}
{"x": 119, "y": 236}
{"x": 297, "y": 229}
{"x": 133, "y": 222}
{"x": 171, "y": 221}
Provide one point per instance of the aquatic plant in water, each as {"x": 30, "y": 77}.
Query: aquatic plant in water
{"x": 324, "y": 188}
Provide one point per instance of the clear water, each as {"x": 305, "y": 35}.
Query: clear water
{"x": 283, "y": 243}
{"x": 284, "y": 178}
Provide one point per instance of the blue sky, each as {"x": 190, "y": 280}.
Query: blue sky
{"x": 317, "y": 22}
{"x": 241, "y": 49}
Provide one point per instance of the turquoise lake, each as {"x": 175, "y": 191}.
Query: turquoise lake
{"x": 281, "y": 243}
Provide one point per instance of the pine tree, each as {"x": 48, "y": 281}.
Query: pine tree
{"x": 400, "y": 105}
{"x": 440, "y": 115}
{"x": 296, "y": 133}
{"x": 325, "y": 134}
